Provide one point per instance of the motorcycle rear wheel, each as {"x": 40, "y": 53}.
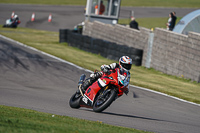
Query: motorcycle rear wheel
{"x": 101, "y": 103}
{"x": 75, "y": 101}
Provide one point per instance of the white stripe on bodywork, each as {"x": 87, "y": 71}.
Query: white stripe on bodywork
{"x": 101, "y": 83}
{"x": 88, "y": 98}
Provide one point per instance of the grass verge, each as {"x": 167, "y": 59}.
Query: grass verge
{"x": 140, "y": 76}
{"x": 147, "y": 3}
{"x": 18, "y": 120}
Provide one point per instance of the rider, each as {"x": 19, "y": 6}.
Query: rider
{"x": 15, "y": 20}
{"x": 124, "y": 65}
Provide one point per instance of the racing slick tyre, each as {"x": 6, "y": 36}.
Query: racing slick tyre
{"x": 75, "y": 100}
{"x": 104, "y": 100}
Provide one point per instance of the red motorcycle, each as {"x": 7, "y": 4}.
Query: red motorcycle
{"x": 12, "y": 23}
{"x": 101, "y": 93}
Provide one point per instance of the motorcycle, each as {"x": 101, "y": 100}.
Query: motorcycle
{"x": 101, "y": 93}
{"x": 12, "y": 23}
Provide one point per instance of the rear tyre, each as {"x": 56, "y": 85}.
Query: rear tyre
{"x": 75, "y": 101}
{"x": 105, "y": 100}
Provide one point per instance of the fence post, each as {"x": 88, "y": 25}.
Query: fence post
{"x": 149, "y": 50}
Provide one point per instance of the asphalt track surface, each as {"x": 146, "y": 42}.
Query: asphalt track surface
{"x": 30, "y": 79}
{"x": 33, "y": 80}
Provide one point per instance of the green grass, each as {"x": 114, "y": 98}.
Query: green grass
{"x": 140, "y": 76}
{"x": 149, "y": 22}
{"x": 148, "y": 3}
{"x": 18, "y": 120}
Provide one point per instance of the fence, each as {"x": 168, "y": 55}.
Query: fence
{"x": 106, "y": 49}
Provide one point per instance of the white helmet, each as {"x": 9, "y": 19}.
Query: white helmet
{"x": 125, "y": 63}
{"x": 15, "y": 16}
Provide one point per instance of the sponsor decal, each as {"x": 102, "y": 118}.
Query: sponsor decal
{"x": 104, "y": 80}
{"x": 101, "y": 83}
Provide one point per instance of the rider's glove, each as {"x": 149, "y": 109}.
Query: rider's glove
{"x": 96, "y": 75}
{"x": 105, "y": 68}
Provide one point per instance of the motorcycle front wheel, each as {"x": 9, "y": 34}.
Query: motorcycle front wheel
{"x": 75, "y": 101}
{"x": 104, "y": 100}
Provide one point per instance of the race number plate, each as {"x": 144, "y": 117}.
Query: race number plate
{"x": 85, "y": 100}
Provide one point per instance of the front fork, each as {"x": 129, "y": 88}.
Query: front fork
{"x": 80, "y": 83}
{"x": 104, "y": 92}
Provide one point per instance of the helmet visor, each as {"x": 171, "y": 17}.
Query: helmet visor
{"x": 126, "y": 66}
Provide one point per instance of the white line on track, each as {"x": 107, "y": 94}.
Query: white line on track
{"x": 64, "y": 61}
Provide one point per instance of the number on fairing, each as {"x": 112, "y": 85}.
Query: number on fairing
{"x": 85, "y": 100}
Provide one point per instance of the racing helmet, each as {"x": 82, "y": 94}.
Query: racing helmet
{"x": 125, "y": 63}
{"x": 15, "y": 16}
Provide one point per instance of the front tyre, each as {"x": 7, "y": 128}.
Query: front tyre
{"x": 75, "y": 101}
{"x": 104, "y": 100}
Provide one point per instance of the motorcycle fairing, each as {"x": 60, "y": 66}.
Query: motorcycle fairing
{"x": 101, "y": 83}
{"x": 8, "y": 22}
{"x": 91, "y": 92}
{"x": 86, "y": 102}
